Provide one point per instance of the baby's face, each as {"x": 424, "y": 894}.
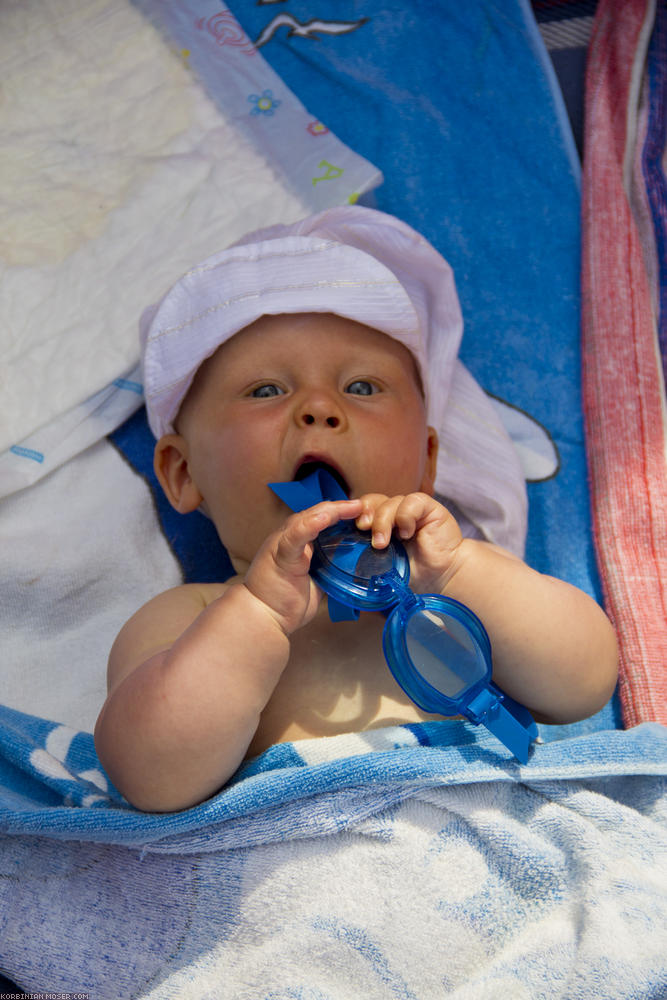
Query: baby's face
{"x": 292, "y": 390}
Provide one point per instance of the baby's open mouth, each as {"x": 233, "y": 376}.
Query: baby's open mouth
{"x": 308, "y": 467}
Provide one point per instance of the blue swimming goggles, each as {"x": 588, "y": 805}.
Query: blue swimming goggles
{"x": 436, "y": 648}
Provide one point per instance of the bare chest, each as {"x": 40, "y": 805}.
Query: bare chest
{"x": 337, "y": 681}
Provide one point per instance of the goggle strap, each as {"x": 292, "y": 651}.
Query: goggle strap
{"x": 339, "y": 612}
{"x": 297, "y": 496}
{"x": 488, "y": 708}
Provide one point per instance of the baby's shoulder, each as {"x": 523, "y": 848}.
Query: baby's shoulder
{"x": 158, "y": 624}
{"x": 198, "y": 594}
{"x": 187, "y": 599}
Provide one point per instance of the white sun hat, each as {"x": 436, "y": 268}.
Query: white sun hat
{"x": 369, "y": 267}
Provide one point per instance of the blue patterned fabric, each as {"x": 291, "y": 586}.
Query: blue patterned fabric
{"x": 414, "y": 862}
{"x": 51, "y": 783}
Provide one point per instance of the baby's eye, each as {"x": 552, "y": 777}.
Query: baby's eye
{"x": 266, "y": 391}
{"x": 361, "y": 387}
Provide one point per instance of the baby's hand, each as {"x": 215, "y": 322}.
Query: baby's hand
{"x": 279, "y": 575}
{"x": 431, "y": 534}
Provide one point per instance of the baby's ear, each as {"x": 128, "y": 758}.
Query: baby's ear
{"x": 170, "y": 462}
{"x": 430, "y": 468}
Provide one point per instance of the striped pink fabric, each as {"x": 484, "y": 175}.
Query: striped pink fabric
{"x": 624, "y": 402}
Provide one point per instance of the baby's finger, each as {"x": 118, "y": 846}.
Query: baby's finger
{"x": 382, "y": 519}
{"x": 303, "y": 528}
{"x": 404, "y": 514}
{"x": 370, "y": 502}
{"x": 410, "y": 513}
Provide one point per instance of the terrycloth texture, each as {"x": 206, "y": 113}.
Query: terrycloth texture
{"x": 122, "y": 170}
{"x": 372, "y": 268}
{"x": 414, "y": 862}
{"x": 67, "y": 592}
{"x": 623, "y": 375}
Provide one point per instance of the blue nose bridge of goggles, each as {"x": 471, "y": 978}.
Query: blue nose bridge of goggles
{"x": 436, "y": 648}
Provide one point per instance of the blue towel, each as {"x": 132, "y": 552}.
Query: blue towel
{"x": 415, "y": 862}
{"x": 51, "y": 783}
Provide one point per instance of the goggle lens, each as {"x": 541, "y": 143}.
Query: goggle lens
{"x": 442, "y": 652}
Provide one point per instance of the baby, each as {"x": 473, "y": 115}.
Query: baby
{"x": 330, "y": 342}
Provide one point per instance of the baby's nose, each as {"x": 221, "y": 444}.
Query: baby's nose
{"x": 310, "y": 418}
{"x": 321, "y": 410}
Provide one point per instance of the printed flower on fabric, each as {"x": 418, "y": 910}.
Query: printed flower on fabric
{"x": 317, "y": 128}
{"x": 264, "y": 103}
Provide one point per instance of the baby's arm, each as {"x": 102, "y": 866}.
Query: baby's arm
{"x": 554, "y": 649}
{"x": 188, "y": 679}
